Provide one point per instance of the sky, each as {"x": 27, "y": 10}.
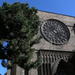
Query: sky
{"x": 2, "y": 69}
{"x": 66, "y": 7}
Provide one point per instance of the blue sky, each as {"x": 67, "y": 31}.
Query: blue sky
{"x": 58, "y": 6}
{"x": 2, "y": 69}
{"x": 66, "y": 7}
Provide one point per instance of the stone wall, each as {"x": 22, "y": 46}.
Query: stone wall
{"x": 44, "y": 45}
{"x": 69, "y": 21}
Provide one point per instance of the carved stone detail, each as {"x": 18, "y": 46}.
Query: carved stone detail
{"x": 55, "y": 31}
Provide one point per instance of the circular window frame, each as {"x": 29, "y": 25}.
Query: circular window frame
{"x": 65, "y": 28}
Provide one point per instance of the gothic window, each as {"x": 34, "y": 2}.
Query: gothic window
{"x": 55, "y": 31}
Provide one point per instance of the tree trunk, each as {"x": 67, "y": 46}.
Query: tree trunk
{"x": 26, "y": 72}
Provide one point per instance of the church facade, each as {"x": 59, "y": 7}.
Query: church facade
{"x": 57, "y": 43}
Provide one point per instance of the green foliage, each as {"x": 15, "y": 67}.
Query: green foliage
{"x": 17, "y": 18}
{"x": 18, "y": 25}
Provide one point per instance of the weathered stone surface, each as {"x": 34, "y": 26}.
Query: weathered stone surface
{"x": 69, "y": 21}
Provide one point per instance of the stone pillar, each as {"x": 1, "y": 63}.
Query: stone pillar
{"x": 16, "y": 70}
{"x": 19, "y": 70}
{"x": 8, "y": 72}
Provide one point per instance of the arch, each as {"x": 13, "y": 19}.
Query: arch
{"x": 51, "y": 61}
{"x": 55, "y": 65}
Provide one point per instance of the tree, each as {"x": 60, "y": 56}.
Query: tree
{"x": 18, "y": 25}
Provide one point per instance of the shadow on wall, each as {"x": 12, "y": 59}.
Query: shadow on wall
{"x": 72, "y": 60}
{"x": 66, "y": 68}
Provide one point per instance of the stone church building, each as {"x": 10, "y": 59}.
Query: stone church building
{"x": 57, "y": 43}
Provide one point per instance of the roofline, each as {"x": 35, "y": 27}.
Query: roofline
{"x": 56, "y": 13}
{"x": 56, "y": 50}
